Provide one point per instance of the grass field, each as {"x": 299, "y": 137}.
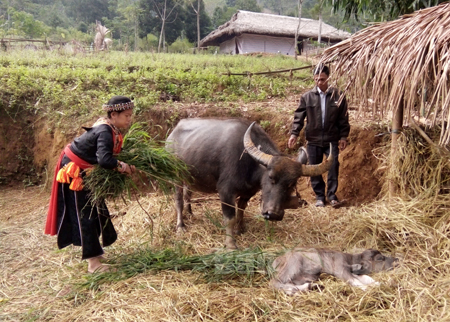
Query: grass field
{"x": 61, "y": 85}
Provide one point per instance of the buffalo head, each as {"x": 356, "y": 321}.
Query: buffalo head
{"x": 280, "y": 177}
{"x": 372, "y": 261}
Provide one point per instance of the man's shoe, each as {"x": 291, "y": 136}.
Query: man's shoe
{"x": 334, "y": 203}
{"x": 320, "y": 203}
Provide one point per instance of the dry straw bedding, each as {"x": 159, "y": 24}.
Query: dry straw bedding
{"x": 39, "y": 282}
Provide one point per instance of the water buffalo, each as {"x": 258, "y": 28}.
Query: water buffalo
{"x": 236, "y": 159}
{"x": 297, "y": 269}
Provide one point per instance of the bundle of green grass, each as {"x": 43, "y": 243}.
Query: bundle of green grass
{"x": 155, "y": 166}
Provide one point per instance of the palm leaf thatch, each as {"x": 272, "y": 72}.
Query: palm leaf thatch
{"x": 400, "y": 64}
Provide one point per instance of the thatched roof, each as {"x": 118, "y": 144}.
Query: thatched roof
{"x": 400, "y": 63}
{"x": 271, "y": 25}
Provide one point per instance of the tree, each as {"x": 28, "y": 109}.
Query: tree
{"x": 88, "y": 10}
{"x": 125, "y": 23}
{"x": 300, "y": 3}
{"x": 199, "y": 27}
{"x": 131, "y": 14}
{"x": 27, "y": 25}
{"x": 335, "y": 19}
{"x": 164, "y": 16}
{"x": 280, "y": 7}
{"x": 222, "y": 15}
{"x": 381, "y": 9}
{"x": 248, "y": 5}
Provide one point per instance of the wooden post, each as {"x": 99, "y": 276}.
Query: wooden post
{"x": 397, "y": 123}
{"x": 300, "y": 3}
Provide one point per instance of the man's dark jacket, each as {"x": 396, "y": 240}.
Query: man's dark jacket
{"x": 336, "y": 125}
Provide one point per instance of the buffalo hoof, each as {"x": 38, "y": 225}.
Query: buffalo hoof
{"x": 181, "y": 229}
{"x": 239, "y": 231}
{"x": 230, "y": 245}
{"x": 273, "y": 217}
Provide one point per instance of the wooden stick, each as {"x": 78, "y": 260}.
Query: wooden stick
{"x": 265, "y": 73}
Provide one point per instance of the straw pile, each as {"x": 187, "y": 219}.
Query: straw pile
{"x": 400, "y": 64}
{"x": 421, "y": 169}
{"x": 164, "y": 277}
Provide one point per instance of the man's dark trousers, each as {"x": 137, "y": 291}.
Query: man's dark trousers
{"x": 315, "y": 156}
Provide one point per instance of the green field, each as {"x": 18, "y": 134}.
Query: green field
{"x": 49, "y": 83}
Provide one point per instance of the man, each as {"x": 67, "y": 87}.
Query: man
{"x": 327, "y": 122}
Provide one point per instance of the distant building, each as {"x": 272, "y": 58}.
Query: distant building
{"x": 249, "y": 32}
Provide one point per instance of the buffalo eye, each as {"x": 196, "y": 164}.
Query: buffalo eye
{"x": 379, "y": 257}
{"x": 272, "y": 177}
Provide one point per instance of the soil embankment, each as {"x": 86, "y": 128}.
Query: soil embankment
{"x": 30, "y": 147}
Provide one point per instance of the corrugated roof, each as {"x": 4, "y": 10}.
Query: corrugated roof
{"x": 271, "y": 25}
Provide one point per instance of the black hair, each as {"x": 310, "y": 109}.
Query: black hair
{"x": 322, "y": 69}
{"x": 117, "y": 100}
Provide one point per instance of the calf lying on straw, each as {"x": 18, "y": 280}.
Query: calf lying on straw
{"x": 297, "y": 269}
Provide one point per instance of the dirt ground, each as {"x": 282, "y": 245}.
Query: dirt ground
{"x": 37, "y": 281}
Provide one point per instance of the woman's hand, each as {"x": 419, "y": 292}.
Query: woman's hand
{"x": 126, "y": 168}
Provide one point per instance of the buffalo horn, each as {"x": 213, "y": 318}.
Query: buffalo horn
{"x": 318, "y": 169}
{"x": 251, "y": 149}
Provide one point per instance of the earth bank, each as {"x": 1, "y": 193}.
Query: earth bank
{"x": 30, "y": 146}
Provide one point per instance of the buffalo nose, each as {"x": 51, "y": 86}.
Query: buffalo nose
{"x": 273, "y": 217}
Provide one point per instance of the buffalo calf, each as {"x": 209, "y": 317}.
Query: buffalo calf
{"x": 297, "y": 269}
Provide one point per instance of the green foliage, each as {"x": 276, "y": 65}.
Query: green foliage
{"x": 222, "y": 15}
{"x": 249, "y": 5}
{"x": 182, "y": 46}
{"x": 281, "y": 7}
{"x": 25, "y": 25}
{"x": 381, "y": 10}
{"x": 162, "y": 16}
{"x": 89, "y": 10}
{"x": 60, "y": 86}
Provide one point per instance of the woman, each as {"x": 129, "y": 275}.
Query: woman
{"x": 71, "y": 215}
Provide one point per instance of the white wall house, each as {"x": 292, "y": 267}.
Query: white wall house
{"x": 250, "y": 32}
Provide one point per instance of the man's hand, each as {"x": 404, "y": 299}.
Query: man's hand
{"x": 342, "y": 144}
{"x": 292, "y": 141}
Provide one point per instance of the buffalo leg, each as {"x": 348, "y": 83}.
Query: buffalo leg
{"x": 187, "y": 199}
{"x": 365, "y": 280}
{"x": 179, "y": 209}
{"x": 361, "y": 281}
{"x": 289, "y": 288}
{"x": 229, "y": 216}
{"x": 241, "y": 205}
